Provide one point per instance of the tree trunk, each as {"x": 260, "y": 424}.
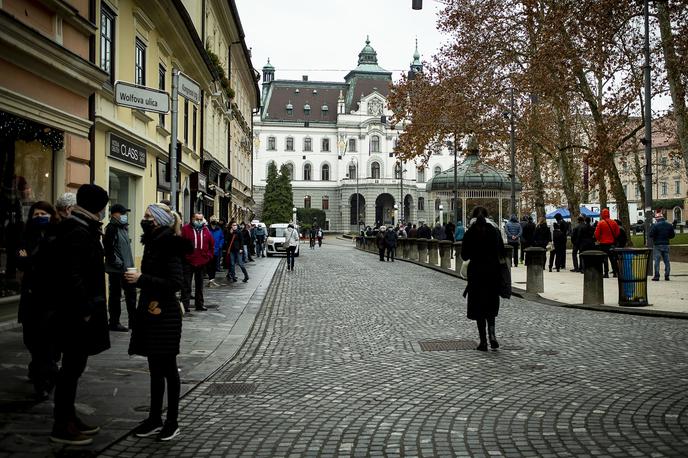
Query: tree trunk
{"x": 673, "y": 69}
{"x": 565, "y": 162}
{"x": 619, "y": 195}
{"x": 538, "y": 185}
{"x": 638, "y": 171}
{"x": 603, "y": 187}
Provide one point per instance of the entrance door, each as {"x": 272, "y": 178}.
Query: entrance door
{"x": 384, "y": 209}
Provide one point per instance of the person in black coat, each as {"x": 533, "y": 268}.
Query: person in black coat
{"x": 542, "y": 236}
{"x": 33, "y": 259}
{"x": 81, "y": 319}
{"x": 527, "y": 234}
{"x": 158, "y": 325}
{"x": 483, "y": 247}
{"x": 390, "y": 243}
{"x": 557, "y": 255}
{"x": 381, "y": 243}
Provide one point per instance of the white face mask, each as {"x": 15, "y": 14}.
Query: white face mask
{"x": 124, "y": 219}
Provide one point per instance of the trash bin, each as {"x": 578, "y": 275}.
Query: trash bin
{"x": 632, "y": 268}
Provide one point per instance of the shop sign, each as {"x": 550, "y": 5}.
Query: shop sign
{"x": 141, "y": 97}
{"x": 127, "y": 151}
{"x": 199, "y": 182}
{"x": 189, "y": 89}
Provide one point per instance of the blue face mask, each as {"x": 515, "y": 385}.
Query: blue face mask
{"x": 124, "y": 219}
{"x": 198, "y": 224}
{"x": 43, "y": 220}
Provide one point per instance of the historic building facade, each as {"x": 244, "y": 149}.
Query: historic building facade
{"x": 336, "y": 140}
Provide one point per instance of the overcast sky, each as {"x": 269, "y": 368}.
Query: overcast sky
{"x": 322, "y": 38}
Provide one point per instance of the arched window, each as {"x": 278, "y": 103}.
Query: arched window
{"x": 325, "y": 203}
{"x": 437, "y": 171}
{"x": 421, "y": 203}
{"x": 375, "y": 170}
{"x": 421, "y": 175}
{"x": 290, "y": 170}
{"x": 307, "y": 144}
{"x": 352, "y": 172}
{"x": 375, "y": 144}
{"x": 325, "y": 172}
{"x": 289, "y": 144}
{"x": 307, "y": 202}
{"x": 307, "y": 172}
{"x": 271, "y": 144}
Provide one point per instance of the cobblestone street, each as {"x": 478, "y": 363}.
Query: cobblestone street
{"x": 334, "y": 366}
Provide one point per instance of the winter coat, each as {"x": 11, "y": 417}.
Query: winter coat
{"x": 459, "y": 232}
{"x": 79, "y": 292}
{"x": 558, "y": 239}
{"x": 564, "y": 226}
{"x": 291, "y": 237}
{"x": 36, "y": 292}
{"x": 260, "y": 234}
{"x": 235, "y": 242}
{"x": 158, "y": 325}
{"x": 575, "y": 234}
{"x": 380, "y": 240}
{"x": 203, "y": 244}
{"x": 413, "y": 233}
{"x": 449, "y": 231}
{"x": 117, "y": 247}
{"x": 528, "y": 233}
{"x": 542, "y": 236}
{"x": 586, "y": 237}
{"x": 483, "y": 246}
{"x": 661, "y": 232}
{"x": 218, "y": 240}
{"x": 513, "y": 231}
{"x": 607, "y": 230}
{"x": 438, "y": 232}
{"x": 391, "y": 239}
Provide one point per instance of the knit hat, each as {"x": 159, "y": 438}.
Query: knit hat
{"x": 162, "y": 215}
{"x": 91, "y": 197}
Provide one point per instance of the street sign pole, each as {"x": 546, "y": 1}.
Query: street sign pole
{"x": 173, "y": 142}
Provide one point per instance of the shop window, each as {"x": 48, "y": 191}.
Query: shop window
{"x": 120, "y": 188}
{"x": 325, "y": 203}
{"x": 107, "y": 42}
{"x": 140, "y": 63}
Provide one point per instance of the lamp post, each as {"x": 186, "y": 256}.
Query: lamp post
{"x": 293, "y": 215}
{"x": 441, "y": 214}
{"x": 396, "y": 214}
{"x": 354, "y": 161}
{"x": 456, "y": 148}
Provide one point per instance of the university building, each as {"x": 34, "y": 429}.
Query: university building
{"x": 336, "y": 140}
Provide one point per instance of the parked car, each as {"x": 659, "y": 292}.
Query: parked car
{"x": 274, "y": 245}
{"x": 638, "y": 227}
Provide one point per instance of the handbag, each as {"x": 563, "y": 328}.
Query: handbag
{"x": 504, "y": 278}
{"x": 463, "y": 272}
{"x": 550, "y": 246}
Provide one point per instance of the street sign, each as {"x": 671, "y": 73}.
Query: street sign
{"x": 189, "y": 89}
{"x": 141, "y": 97}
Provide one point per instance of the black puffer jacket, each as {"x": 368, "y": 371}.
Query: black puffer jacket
{"x": 158, "y": 324}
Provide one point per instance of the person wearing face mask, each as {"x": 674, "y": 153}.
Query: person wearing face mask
{"x": 194, "y": 267}
{"x": 235, "y": 250}
{"x": 81, "y": 319}
{"x": 118, "y": 259}
{"x": 34, "y": 313}
{"x": 218, "y": 240}
{"x": 157, "y": 328}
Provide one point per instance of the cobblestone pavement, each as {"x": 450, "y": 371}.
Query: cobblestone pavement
{"x": 334, "y": 367}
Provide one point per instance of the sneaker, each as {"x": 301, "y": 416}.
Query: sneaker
{"x": 200, "y": 308}
{"x": 69, "y": 435}
{"x": 666, "y": 278}
{"x": 118, "y": 328}
{"x": 655, "y": 278}
{"x": 245, "y": 279}
{"x": 85, "y": 428}
{"x": 168, "y": 432}
{"x": 148, "y": 428}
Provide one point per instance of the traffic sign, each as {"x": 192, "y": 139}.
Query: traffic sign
{"x": 141, "y": 97}
{"x": 189, "y": 89}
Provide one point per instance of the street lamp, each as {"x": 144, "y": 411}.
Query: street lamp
{"x": 396, "y": 214}
{"x": 456, "y": 148}
{"x": 354, "y": 161}
{"x": 293, "y": 215}
{"x": 441, "y": 214}
{"x": 512, "y": 150}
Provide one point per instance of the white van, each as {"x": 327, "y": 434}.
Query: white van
{"x": 275, "y": 242}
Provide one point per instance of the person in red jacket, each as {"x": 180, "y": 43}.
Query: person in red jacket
{"x": 194, "y": 264}
{"x": 606, "y": 233}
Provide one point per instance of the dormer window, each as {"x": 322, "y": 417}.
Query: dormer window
{"x": 290, "y": 109}
{"x": 325, "y": 109}
{"x": 297, "y": 90}
{"x": 307, "y": 109}
{"x": 315, "y": 92}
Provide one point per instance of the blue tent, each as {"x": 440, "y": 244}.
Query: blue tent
{"x": 564, "y": 212}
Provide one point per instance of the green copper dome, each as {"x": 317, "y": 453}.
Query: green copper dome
{"x": 472, "y": 173}
{"x": 268, "y": 66}
{"x": 367, "y": 55}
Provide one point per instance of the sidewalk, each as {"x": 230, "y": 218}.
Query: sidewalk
{"x": 114, "y": 390}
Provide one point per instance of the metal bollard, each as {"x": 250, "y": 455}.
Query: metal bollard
{"x": 422, "y": 250}
{"x": 432, "y": 252}
{"x": 458, "y": 261}
{"x": 413, "y": 249}
{"x": 445, "y": 247}
{"x": 593, "y": 282}
{"x": 535, "y": 261}
{"x": 405, "y": 253}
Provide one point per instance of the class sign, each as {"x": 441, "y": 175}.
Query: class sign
{"x": 127, "y": 151}
{"x": 141, "y": 97}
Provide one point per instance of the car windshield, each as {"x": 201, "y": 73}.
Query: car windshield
{"x": 276, "y": 231}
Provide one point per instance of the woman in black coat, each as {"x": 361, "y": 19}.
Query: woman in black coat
{"x": 483, "y": 246}
{"x": 542, "y": 236}
{"x": 157, "y": 328}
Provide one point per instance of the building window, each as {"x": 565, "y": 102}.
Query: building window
{"x": 140, "y": 63}
{"x": 663, "y": 161}
{"x": 677, "y": 187}
{"x": 325, "y": 203}
{"x": 186, "y": 122}
{"x": 421, "y": 203}
{"x": 290, "y": 170}
{"x": 271, "y": 144}
{"x": 290, "y": 109}
{"x": 421, "y": 175}
{"x": 352, "y": 145}
{"x": 289, "y": 145}
{"x": 107, "y": 41}
{"x": 664, "y": 188}
{"x": 397, "y": 171}
{"x": 307, "y": 172}
{"x": 437, "y": 171}
{"x": 307, "y": 144}
{"x": 307, "y": 109}
{"x": 193, "y": 127}
{"x": 375, "y": 170}
{"x": 325, "y": 144}
{"x": 162, "y": 72}
{"x": 325, "y": 172}
{"x": 352, "y": 172}
{"x": 375, "y": 144}
{"x": 637, "y": 190}
{"x": 307, "y": 202}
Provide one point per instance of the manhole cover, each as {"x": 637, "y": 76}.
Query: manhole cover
{"x": 229, "y": 389}
{"x": 533, "y": 367}
{"x": 547, "y": 352}
{"x": 447, "y": 345}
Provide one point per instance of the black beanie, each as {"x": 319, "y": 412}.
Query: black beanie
{"x": 91, "y": 197}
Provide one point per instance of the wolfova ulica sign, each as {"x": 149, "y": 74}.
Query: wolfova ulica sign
{"x": 127, "y": 151}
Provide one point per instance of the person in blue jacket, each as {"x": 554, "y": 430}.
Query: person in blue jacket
{"x": 215, "y": 264}
{"x": 459, "y": 232}
{"x": 660, "y": 233}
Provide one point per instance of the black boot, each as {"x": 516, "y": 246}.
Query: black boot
{"x": 483, "y": 336}
{"x": 493, "y": 336}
